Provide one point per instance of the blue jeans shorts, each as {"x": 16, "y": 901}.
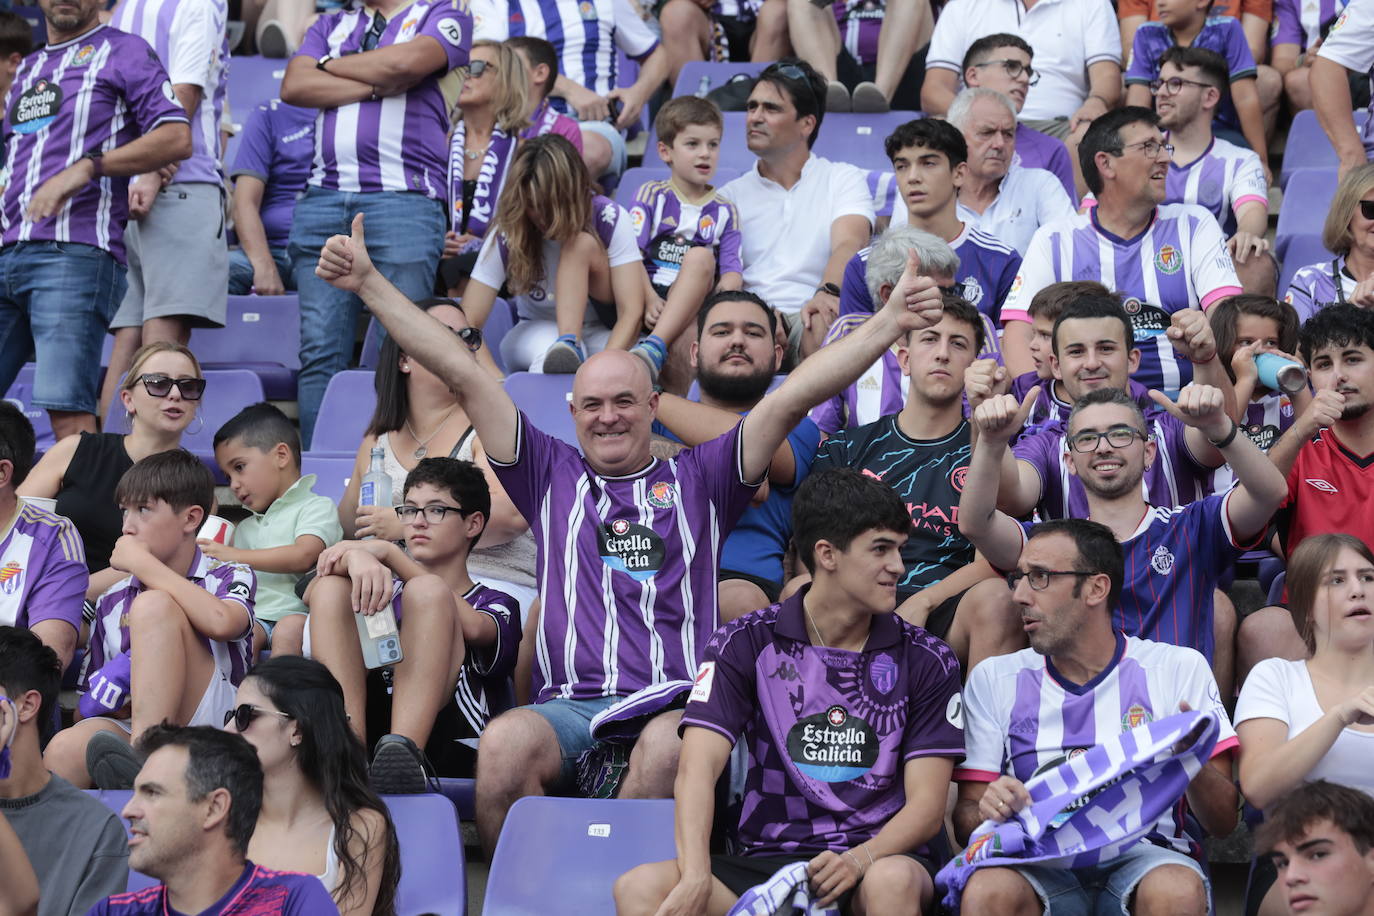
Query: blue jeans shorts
{"x": 1105, "y": 889}
{"x": 572, "y": 724}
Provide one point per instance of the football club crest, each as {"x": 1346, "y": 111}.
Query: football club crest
{"x": 973, "y": 290}
{"x": 586, "y": 10}
{"x": 10, "y": 577}
{"x": 957, "y": 478}
{"x": 882, "y": 673}
{"x": 1162, "y": 561}
{"x": 83, "y": 56}
{"x": 705, "y": 226}
{"x": 1168, "y": 259}
{"x": 1135, "y": 716}
{"x": 981, "y": 847}
{"x": 662, "y": 495}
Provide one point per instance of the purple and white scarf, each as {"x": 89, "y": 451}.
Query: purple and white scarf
{"x": 543, "y": 121}
{"x": 786, "y": 893}
{"x": 1114, "y": 793}
{"x": 490, "y": 180}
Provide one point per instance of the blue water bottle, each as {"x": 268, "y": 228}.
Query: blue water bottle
{"x": 1279, "y": 374}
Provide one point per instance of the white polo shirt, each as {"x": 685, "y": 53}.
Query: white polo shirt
{"x": 1066, "y": 35}
{"x": 785, "y": 233}
{"x": 1027, "y": 200}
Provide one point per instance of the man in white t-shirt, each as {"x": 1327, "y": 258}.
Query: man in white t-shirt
{"x": 1077, "y": 52}
{"x": 801, "y": 217}
{"x": 1348, "y": 46}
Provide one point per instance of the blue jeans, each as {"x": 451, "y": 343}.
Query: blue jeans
{"x": 60, "y": 295}
{"x": 572, "y": 723}
{"x": 1105, "y": 889}
{"x": 405, "y": 236}
{"x": 241, "y": 270}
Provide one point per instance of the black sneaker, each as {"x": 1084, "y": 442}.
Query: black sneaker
{"x": 111, "y": 762}
{"x": 398, "y": 767}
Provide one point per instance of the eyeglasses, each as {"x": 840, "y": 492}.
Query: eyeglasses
{"x": 243, "y": 715}
{"x": 470, "y": 336}
{"x": 477, "y": 67}
{"x": 1367, "y": 209}
{"x": 1117, "y": 437}
{"x": 1014, "y": 69}
{"x": 374, "y": 34}
{"x": 1175, "y": 85}
{"x": 159, "y": 386}
{"x": 434, "y": 513}
{"x": 1040, "y": 578}
{"x": 1150, "y": 148}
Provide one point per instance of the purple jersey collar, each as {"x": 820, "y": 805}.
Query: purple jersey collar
{"x": 883, "y": 631}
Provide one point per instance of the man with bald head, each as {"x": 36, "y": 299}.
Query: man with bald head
{"x": 629, "y": 545}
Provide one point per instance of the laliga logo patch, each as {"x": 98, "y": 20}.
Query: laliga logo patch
{"x": 1168, "y": 259}
{"x": 701, "y": 686}
{"x": 11, "y": 575}
{"x": 662, "y": 495}
{"x": 1163, "y": 560}
{"x": 637, "y": 218}
{"x": 630, "y": 548}
{"x": 37, "y": 107}
{"x": 833, "y": 746}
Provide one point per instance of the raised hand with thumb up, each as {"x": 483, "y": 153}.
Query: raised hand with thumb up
{"x": 915, "y": 302}
{"x": 344, "y": 261}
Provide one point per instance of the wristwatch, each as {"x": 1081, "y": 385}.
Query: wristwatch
{"x": 97, "y": 160}
{"x": 829, "y": 288}
{"x": 319, "y": 64}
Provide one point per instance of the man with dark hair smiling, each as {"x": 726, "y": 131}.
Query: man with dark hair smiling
{"x": 1321, "y": 838}
{"x": 193, "y": 811}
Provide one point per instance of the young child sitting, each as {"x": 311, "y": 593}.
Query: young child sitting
{"x": 186, "y": 618}
{"x": 259, "y": 451}
{"x": 689, "y": 233}
{"x": 455, "y": 634}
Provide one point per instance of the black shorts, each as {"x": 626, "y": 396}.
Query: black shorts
{"x": 737, "y": 33}
{"x": 941, "y": 617}
{"x": 739, "y": 873}
{"x": 767, "y": 586}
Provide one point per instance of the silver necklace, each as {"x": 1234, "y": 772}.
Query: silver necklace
{"x": 472, "y": 154}
{"x": 420, "y": 450}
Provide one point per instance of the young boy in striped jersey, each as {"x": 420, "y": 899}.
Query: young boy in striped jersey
{"x": 689, "y": 233}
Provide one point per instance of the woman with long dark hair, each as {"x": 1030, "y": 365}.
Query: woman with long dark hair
{"x": 319, "y": 815}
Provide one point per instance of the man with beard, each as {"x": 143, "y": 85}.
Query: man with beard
{"x": 922, "y": 452}
{"x": 735, "y": 356}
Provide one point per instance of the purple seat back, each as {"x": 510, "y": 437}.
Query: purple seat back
{"x": 544, "y": 399}
{"x": 1307, "y": 146}
{"x": 115, "y": 800}
{"x": 331, "y": 472}
{"x": 633, "y": 178}
{"x": 261, "y": 334}
{"x": 21, "y": 393}
{"x": 858, "y": 138}
{"x": 734, "y": 154}
{"x": 575, "y": 848}
{"x": 1302, "y": 251}
{"x": 344, "y": 413}
{"x": 1308, "y": 195}
{"x": 689, "y": 79}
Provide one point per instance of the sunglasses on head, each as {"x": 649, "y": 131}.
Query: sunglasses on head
{"x": 1367, "y": 209}
{"x": 243, "y": 715}
{"x": 159, "y": 386}
{"x": 471, "y": 338}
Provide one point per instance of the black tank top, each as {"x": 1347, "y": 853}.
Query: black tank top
{"x": 87, "y": 494}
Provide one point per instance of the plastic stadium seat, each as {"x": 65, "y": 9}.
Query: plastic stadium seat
{"x": 544, "y": 399}
{"x": 433, "y": 873}
{"x": 115, "y": 800}
{"x": 1302, "y": 251}
{"x": 1310, "y": 191}
{"x": 717, "y": 74}
{"x": 332, "y": 473}
{"x": 344, "y": 413}
{"x": 261, "y": 334}
{"x": 1307, "y": 146}
{"x": 35, "y": 17}
{"x": 463, "y": 794}
{"x": 858, "y": 138}
{"x": 574, "y": 848}
{"x": 253, "y": 80}
{"x": 21, "y": 393}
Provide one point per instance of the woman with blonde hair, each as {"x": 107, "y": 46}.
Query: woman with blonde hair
{"x": 559, "y": 247}
{"x": 481, "y": 148}
{"x": 1349, "y": 235}
{"x": 161, "y": 394}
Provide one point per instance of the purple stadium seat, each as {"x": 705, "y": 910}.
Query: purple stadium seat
{"x": 1302, "y": 251}
{"x": 1310, "y": 191}
{"x": 463, "y": 794}
{"x": 858, "y": 138}
{"x": 433, "y": 873}
{"x": 574, "y": 848}
{"x": 35, "y": 17}
{"x": 332, "y": 473}
{"x": 344, "y": 413}
{"x": 1307, "y": 146}
{"x": 261, "y": 334}
{"x": 633, "y": 178}
{"x": 544, "y": 399}
{"x": 716, "y": 74}
{"x": 253, "y": 80}
{"x": 21, "y": 393}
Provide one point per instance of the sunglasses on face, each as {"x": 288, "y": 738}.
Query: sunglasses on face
{"x": 477, "y": 67}
{"x": 243, "y": 715}
{"x": 159, "y": 386}
{"x": 1367, "y": 209}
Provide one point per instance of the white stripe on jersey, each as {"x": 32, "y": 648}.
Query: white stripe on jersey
{"x": 75, "y": 148}
{"x": 541, "y": 643}
{"x": 576, "y": 519}
{"x": 1166, "y": 465}
{"x": 1168, "y": 367}
{"x": 36, "y": 156}
{"x": 688, "y": 602}
{"x": 390, "y": 131}
{"x": 345, "y": 149}
{"x": 648, "y": 590}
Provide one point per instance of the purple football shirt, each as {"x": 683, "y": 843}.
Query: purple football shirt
{"x": 398, "y": 143}
{"x": 1314, "y": 287}
{"x": 1220, "y": 181}
{"x": 1303, "y": 23}
{"x": 627, "y": 566}
{"x": 96, "y": 92}
{"x": 258, "y": 892}
{"x": 1221, "y": 34}
{"x": 667, "y": 227}
{"x": 277, "y": 147}
{"x": 1035, "y": 150}
{"x": 549, "y": 120}
{"x": 42, "y": 569}
{"x": 828, "y": 731}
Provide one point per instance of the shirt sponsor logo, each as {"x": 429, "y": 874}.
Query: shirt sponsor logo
{"x": 882, "y": 673}
{"x": 954, "y": 711}
{"x": 1321, "y": 486}
{"x": 701, "y": 686}
{"x": 1071, "y": 807}
{"x": 630, "y": 548}
{"x": 239, "y": 590}
{"x": 169, "y": 93}
{"x": 37, "y": 107}
{"x": 1146, "y": 320}
{"x": 11, "y": 575}
{"x": 1262, "y": 435}
{"x": 662, "y": 495}
{"x": 833, "y": 746}
{"x": 1162, "y": 561}
{"x": 1168, "y": 259}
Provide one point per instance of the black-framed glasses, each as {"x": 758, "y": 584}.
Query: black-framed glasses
{"x": 434, "y": 512}
{"x": 477, "y": 67}
{"x": 1175, "y": 85}
{"x": 471, "y": 337}
{"x": 243, "y": 715}
{"x": 1117, "y": 437}
{"x": 159, "y": 386}
{"x": 1150, "y": 148}
{"x": 374, "y": 34}
{"x": 1367, "y": 209}
{"x": 1039, "y": 579}
{"x": 1014, "y": 68}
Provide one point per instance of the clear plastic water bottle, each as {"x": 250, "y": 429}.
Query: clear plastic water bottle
{"x": 704, "y": 86}
{"x": 375, "y": 489}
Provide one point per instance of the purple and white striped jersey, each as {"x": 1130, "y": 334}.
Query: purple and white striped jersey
{"x": 880, "y": 391}
{"x": 860, "y": 21}
{"x": 1179, "y": 261}
{"x": 667, "y": 227}
{"x": 1350, "y": 43}
{"x": 191, "y": 40}
{"x": 1035, "y": 150}
{"x": 829, "y": 732}
{"x": 1265, "y": 420}
{"x": 1051, "y": 409}
{"x": 398, "y": 143}
{"x": 1314, "y": 287}
{"x": 1175, "y": 478}
{"x": 1221, "y": 180}
{"x": 226, "y": 581}
{"x": 42, "y": 569}
{"x": 627, "y": 566}
{"x": 1302, "y": 22}
{"x": 96, "y": 92}
{"x": 586, "y": 34}
{"x": 1022, "y": 717}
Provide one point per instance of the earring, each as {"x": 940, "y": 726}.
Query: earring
{"x": 197, "y": 431}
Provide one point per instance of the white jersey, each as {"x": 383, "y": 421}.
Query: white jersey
{"x": 1022, "y": 718}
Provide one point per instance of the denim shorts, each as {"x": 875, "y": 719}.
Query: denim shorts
{"x": 61, "y": 295}
{"x": 1105, "y": 889}
{"x": 572, "y": 724}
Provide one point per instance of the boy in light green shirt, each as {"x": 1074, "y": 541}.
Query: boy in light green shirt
{"x": 260, "y": 452}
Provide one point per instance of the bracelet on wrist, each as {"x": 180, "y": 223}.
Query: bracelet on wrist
{"x": 1228, "y": 438}
{"x": 1203, "y": 362}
